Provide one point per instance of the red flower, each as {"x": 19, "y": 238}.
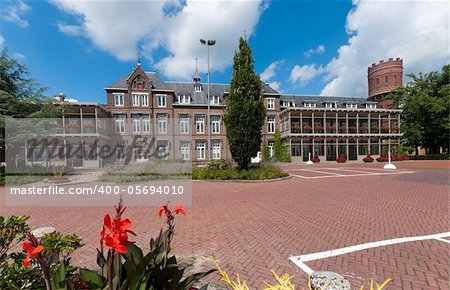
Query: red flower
{"x": 179, "y": 209}
{"x": 115, "y": 233}
{"x": 32, "y": 252}
{"x": 176, "y": 209}
{"x": 165, "y": 209}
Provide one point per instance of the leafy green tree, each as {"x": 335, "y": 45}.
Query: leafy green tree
{"x": 245, "y": 112}
{"x": 425, "y": 102}
{"x": 280, "y": 153}
{"x": 265, "y": 153}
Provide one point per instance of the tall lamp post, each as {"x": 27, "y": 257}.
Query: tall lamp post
{"x": 208, "y": 43}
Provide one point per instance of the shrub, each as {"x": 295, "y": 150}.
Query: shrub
{"x": 405, "y": 157}
{"x": 430, "y": 157}
{"x": 382, "y": 159}
{"x": 341, "y": 160}
{"x": 219, "y": 164}
{"x": 315, "y": 159}
{"x": 46, "y": 254}
{"x": 232, "y": 173}
{"x": 396, "y": 158}
{"x": 368, "y": 159}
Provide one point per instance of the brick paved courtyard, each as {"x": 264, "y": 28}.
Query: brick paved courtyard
{"x": 252, "y": 228}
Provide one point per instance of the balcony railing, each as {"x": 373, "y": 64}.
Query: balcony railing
{"x": 297, "y": 129}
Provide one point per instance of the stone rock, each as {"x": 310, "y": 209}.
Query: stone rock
{"x": 41, "y": 232}
{"x": 336, "y": 281}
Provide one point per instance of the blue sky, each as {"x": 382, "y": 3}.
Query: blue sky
{"x": 301, "y": 47}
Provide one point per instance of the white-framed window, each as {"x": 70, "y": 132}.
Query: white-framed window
{"x": 330, "y": 105}
{"x": 216, "y": 149}
{"x": 270, "y": 124}
{"x": 185, "y": 150}
{"x": 162, "y": 123}
{"x": 270, "y": 146}
{"x": 351, "y": 106}
{"x": 200, "y": 124}
{"x": 145, "y": 123}
{"x": 184, "y": 99}
{"x": 215, "y": 124}
{"x": 136, "y": 123}
{"x": 214, "y": 100}
{"x": 271, "y": 104}
{"x": 198, "y": 88}
{"x": 200, "y": 147}
{"x": 285, "y": 104}
{"x": 118, "y": 100}
{"x": 310, "y": 105}
{"x": 371, "y": 106}
{"x": 161, "y": 100}
{"x": 135, "y": 100}
{"x": 144, "y": 100}
{"x": 184, "y": 124}
{"x": 120, "y": 123}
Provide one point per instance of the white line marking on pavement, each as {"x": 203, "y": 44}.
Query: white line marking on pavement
{"x": 352, "y": 175}
{"x": 300, "y": 260}
{"x": 443, "y": 240}
{"x": 319, "y": 171}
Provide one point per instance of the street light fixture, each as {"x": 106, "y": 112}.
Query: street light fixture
{"x": 208, "y": 43}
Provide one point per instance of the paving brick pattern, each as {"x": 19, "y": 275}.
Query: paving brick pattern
{"x": 253, "y": 228}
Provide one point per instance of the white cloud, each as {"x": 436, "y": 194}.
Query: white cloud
{"x": 72, "y": 30}
{"x": 270, "y": 71}
{"x": 275, "y": 85}
{"x": 121, "y": 27}
{"x": 2, "y": 40}
{"x": 318, "y": 50}
{"x": 14, "y": 12}
{"x": 416, "y": 31}
{"x": 304, "y": 74}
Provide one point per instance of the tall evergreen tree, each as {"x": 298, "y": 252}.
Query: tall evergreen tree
{"x": 245, "y": 112}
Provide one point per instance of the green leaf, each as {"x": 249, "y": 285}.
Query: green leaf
{"x": 91, "y": 278}
{"x": 59, "y": 278}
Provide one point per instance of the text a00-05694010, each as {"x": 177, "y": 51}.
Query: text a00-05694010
{"x": 142, "y": 189}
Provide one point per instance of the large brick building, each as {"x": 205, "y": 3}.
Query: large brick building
{"x": 175, "y": 116}
{"x": 329, "y": 127}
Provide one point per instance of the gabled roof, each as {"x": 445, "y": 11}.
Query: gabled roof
{"x": 183, "y": 88}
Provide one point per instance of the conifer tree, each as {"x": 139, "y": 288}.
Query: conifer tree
{"x": 245, "y": 112}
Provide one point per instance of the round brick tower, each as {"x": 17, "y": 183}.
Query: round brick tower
{"x": 383, "y": 78}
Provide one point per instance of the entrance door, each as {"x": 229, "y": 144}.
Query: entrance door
{"x": 352, "y": 152}
{"x": 331, "y": 152}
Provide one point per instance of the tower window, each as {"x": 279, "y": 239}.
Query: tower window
{"x": 386, "y": 83}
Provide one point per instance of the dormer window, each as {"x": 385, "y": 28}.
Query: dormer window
{"x": 215, "y": 100}
{"x": 139, "y": 83}
{"x": 371, "y": 106}
{"x": 198, "y": 88}
{"x": 310, "y": 105}
{"x": 351, "y": 105}
{"x": 330, "y": 105}
{"x": 184, "y": 99}
{"x": 285, "y": 104}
